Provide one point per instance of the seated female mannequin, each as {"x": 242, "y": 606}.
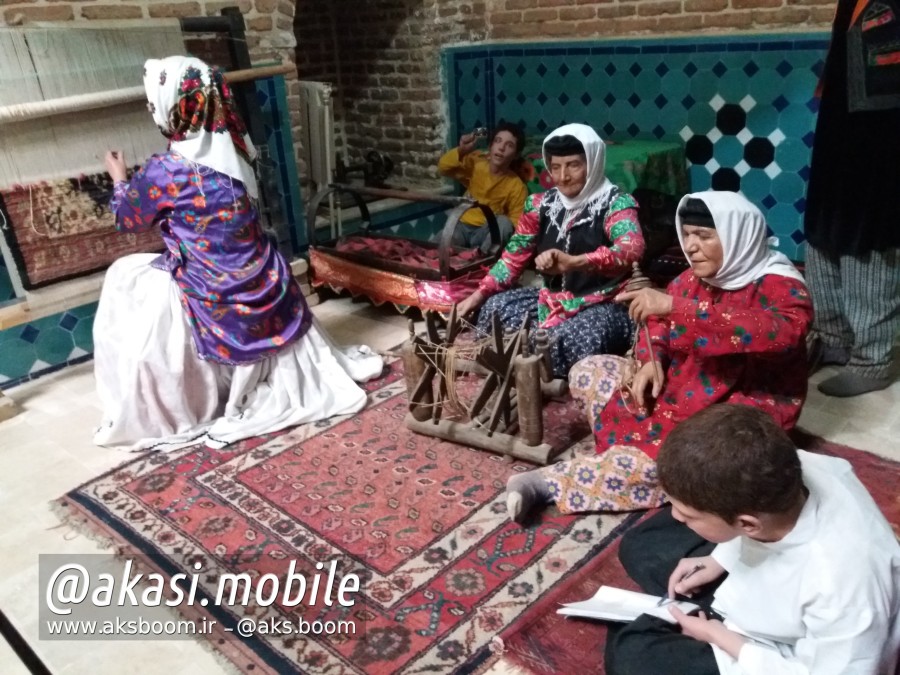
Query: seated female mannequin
{"x": 730, "y": 329}
{"x": 583, "y": 236}
{"x": 211, "y": 341}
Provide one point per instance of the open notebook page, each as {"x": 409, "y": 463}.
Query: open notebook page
{"x": 617, "y": 604}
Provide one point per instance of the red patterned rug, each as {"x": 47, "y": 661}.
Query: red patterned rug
{"x": 421, "y": 521}
{"x": 64, "y": 229}
{"x": 543, "y": 641}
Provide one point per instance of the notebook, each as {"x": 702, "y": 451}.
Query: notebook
{"x": 617, "y": 604}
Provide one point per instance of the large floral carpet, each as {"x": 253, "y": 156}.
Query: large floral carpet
{"x": 63, "y": 229}
{"x": 422, "y": 522}
{"x": 543, "y": 641}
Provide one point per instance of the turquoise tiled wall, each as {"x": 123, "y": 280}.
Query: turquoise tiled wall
{"x": 47, "y": 344}
{"x": 744, "y": 106}
{"x": 271, "y": 93}
{"x": 43, "y": 346}
{"x": 421, "y": 227}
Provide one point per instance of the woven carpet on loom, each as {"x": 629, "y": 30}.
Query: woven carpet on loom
{"x": 422, "y": 522}
{"x": 64, "y": 229}
{"x": 542, "y": 641}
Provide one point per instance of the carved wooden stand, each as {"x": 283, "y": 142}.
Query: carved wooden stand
{"x": 506, "y": 414}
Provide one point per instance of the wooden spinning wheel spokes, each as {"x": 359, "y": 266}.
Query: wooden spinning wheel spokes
{"x": 499, "y": 360}
{"x": 506, "y": 413}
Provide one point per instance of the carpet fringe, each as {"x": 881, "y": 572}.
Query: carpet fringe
{"x": 80, "y": 525}
{"x": 70, "y": 517}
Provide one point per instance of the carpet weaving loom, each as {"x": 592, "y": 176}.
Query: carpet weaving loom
{"x": 68, "y": 94}
{"x": 46, "y": 135}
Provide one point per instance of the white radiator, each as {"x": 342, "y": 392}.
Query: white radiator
{"x": 317, "y": 120}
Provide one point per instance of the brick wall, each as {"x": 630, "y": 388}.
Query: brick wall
{"x": 531, "y": 19}
{"x": 384, "y": 54}
{"x": 384, "y": 58}
{"x": 270, "y": 34}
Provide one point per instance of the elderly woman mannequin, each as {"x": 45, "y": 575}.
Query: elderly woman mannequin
{"x": 730, "y": 329}
{"x": 583, "y": 236}
{"x": 212, "y": 340}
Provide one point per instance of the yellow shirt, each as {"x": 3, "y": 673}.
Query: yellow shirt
{"x": 504, "y": 193}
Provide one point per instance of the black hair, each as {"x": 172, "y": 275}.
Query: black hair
{"x": 513, "y": 129}
{"x": 563, "y": 146}
{"x": 695, "y": 212}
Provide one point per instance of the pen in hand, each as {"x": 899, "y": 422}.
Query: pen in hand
{"x": 696, "y": 568}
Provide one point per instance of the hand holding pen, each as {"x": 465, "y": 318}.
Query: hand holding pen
{"x": 696, "y": 568}
{"x": 692, "y": 573}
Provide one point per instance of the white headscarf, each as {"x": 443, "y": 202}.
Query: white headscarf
{"x": 741, "y": 228}
{"x": 597, "y": 184}
{"x": 218, "y": 138}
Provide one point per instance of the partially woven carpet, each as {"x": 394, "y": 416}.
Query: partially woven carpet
{"x": 543, "y": 641}
{"x": 64, "y": 229}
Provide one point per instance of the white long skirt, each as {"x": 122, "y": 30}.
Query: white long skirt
{"x": 158, "y": 394}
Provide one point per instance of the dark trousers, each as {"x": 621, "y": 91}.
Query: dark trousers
{"x": 651, "y": 646}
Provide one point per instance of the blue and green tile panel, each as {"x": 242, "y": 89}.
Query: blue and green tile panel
{"x": 743, "y": 105}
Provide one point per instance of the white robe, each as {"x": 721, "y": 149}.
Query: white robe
{"x": 825, "y": 599}
{"x": 158, "y": 394}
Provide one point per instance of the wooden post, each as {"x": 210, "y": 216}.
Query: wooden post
{"x": 530, "y": 403}
{"x": 420, "y": 404}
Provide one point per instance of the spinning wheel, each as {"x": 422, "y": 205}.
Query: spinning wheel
{"x": 506, "y": 413}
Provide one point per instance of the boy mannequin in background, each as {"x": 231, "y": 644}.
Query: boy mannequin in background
{"x": 806, "y": 568}
{"x": 490, "y": 178}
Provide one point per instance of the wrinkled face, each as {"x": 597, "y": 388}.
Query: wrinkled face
{"x": 504, "y": 149}
{"x": 704, "y": 250}
{"x": 569, "y": 174}
{"x": 708, "y": 525}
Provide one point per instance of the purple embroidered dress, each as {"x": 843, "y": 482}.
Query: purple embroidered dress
{"x": 220, "y": 292}
{"x": 237, "y": 290}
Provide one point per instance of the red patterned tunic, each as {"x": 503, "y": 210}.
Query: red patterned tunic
{"x": 746, "y": 346}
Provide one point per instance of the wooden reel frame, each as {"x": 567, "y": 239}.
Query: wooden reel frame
{"x": 506, "y": 415}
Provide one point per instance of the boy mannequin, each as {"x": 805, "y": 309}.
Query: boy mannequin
{"x": 806, "y": 570}
{"x": 490, "y": 179}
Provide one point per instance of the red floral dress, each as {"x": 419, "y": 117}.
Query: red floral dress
{"x": 746, "y": 346}
{"x": 608, "y": 233}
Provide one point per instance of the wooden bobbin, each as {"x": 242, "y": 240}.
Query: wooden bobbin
{"x": 638, "y": 279}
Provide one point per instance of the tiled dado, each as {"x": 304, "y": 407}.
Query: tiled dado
{"x": 276, "y": 161}
{"x": 46, "y": 345}
{"x": 7, "y": 292}
{"x": 744, "y": 106}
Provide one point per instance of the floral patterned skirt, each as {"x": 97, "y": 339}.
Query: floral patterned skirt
{"x": 596, "y": 329}
{"x": 621, "y": 478}
{"x": 593, "y": 381}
